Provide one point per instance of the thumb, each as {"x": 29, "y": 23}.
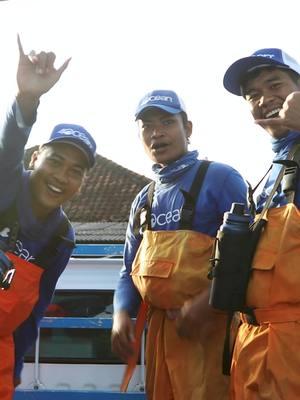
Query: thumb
{"x": 270, "y": 122}
{"x": 63, "y": 67}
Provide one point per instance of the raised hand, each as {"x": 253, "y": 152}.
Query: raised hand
{"x": 36, "y": 75}
{"x": 36, "y": 72}
{"x": 289, "y": 115}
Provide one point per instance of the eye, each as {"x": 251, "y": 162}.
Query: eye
{"x": 53, "y": 161}
{"x": 275, "y": 85}
{"x": 168, "y": 121}
{"x": 253, "y": 96}
{"x": 77, "y": 173}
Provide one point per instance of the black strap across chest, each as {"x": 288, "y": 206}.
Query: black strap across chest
{"x": 142, "y": 219}
{"x": 9, "y": 219}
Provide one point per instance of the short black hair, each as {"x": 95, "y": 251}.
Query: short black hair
{"x": 184, "y": 117}
{"x": 253, "y": 74}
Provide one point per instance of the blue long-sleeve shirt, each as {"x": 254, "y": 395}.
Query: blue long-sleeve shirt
{"x": 33, "y": 234}
{"x": 222, "y": 186}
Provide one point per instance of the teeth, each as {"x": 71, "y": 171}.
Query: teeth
{"x": 158, "y": 145}
{"x": 273, "y": 112}
{"x": 55, "y": 189}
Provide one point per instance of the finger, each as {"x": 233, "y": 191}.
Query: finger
{"x": 183, "y": 331}
{"x": 172, "y": 313}
{"x": 180, "y": 325}
{"x": 63, "y": 67}
{"x": 21, "y": 51}
{"x": 41, "y": 62}
{"x": 33, "y": 57}
{"x": 50, "y": 61}
{"x": 122, "y": 348}
{"x": 270, "y": 122}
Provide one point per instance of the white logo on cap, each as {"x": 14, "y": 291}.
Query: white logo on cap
{"x": 76, "y": 134}
{"x": 265, "y": 55}
{"x": 155, "y": 98}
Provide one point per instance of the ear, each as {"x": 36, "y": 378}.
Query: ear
{"x": 189, "y": 129}
{"x": 33, "y": 159}
{"x": 79, "y": 191}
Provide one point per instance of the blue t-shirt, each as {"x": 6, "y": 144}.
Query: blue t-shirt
{"x": 33, "y": 234}
{"x": 222, "y": 186}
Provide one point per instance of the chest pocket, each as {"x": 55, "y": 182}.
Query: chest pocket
{"x": 275, "y": 270}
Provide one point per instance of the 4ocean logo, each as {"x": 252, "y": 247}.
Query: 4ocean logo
{"x": 20, "y": 251}
{"x": 165, "y": 218}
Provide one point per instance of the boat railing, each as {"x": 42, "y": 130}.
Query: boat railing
{"x": 38, "y": 391}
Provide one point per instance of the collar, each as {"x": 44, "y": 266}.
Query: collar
{"x": 175, "y": 169}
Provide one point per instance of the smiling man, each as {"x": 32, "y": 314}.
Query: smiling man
{"x": 36, "y": 238}
{"x": 266, "y": 359}
{"x": 168, "y": 245}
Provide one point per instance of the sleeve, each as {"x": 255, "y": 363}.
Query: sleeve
{"x": 13, "y": 139}
{"x": 232, "y": 190}
{"x": 26, "y": 334}
{"x": 126, "y": 296}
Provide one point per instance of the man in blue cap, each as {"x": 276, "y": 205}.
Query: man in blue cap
{"x": 168, "y": 245}
{"x": 36, "y": 238}
{"x": 266, "y": 360}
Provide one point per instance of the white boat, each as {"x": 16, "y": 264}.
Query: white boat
{"x": 72, "y": 357}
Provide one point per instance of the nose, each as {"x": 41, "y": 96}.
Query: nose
{"x": 62, "y": 176}
{"x": 265, "y": 98}
{"x": 157, "y": 131}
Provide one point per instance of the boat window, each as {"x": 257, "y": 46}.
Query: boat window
{"x": 77, "y": 345}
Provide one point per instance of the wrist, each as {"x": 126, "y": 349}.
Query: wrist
{"x": 27, "y": 104}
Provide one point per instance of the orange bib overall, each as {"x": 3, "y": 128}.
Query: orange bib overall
{"x": 266, "y": 361}
{"x": 16, "y": 304}
{"x": 171, "y": 267}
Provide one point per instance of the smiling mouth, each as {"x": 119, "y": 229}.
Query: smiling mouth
{"x": 273, "y": 114}
{"x": 55, "y": 189}
{"x": 158, "y": 146}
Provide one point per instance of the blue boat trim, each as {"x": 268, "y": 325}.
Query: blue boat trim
{"x": 76, "y": 323}
{"x": 75, "y": 395}
{"x": 96, "y": 250}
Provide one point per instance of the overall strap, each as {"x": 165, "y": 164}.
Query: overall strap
{"x": 142, "y": 217}
{"x": 9, "y": 219}
{"x": 150, "y": 195}
{"x": 291, "y": 172}
{"x": 293, "y": 153}
{"x": 51, "y": 249}
{"x": 8, "y": 215}
{"x": 190, "y": 198}
{"x": 133, "y": 359}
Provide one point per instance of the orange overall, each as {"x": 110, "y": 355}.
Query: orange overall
{"x": 16, "y": 304}
{"x": 266, "y": 360}
{"x": 171, "y": 267}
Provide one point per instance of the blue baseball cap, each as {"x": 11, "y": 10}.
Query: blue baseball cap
{"x": 77, "y": 136}
{"x": 261, "y": 58}
{"x": 166, "y": 100}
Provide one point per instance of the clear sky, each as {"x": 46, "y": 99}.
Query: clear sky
{"x": 122, "y": 49}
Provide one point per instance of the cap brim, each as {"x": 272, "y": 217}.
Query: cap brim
{"x": 169, "y": 110}
{"x": 235, "y": 73}
{"x": 90, "y": 161}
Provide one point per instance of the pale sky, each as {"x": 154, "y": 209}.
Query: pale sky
{"x": 122, "y": 49}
